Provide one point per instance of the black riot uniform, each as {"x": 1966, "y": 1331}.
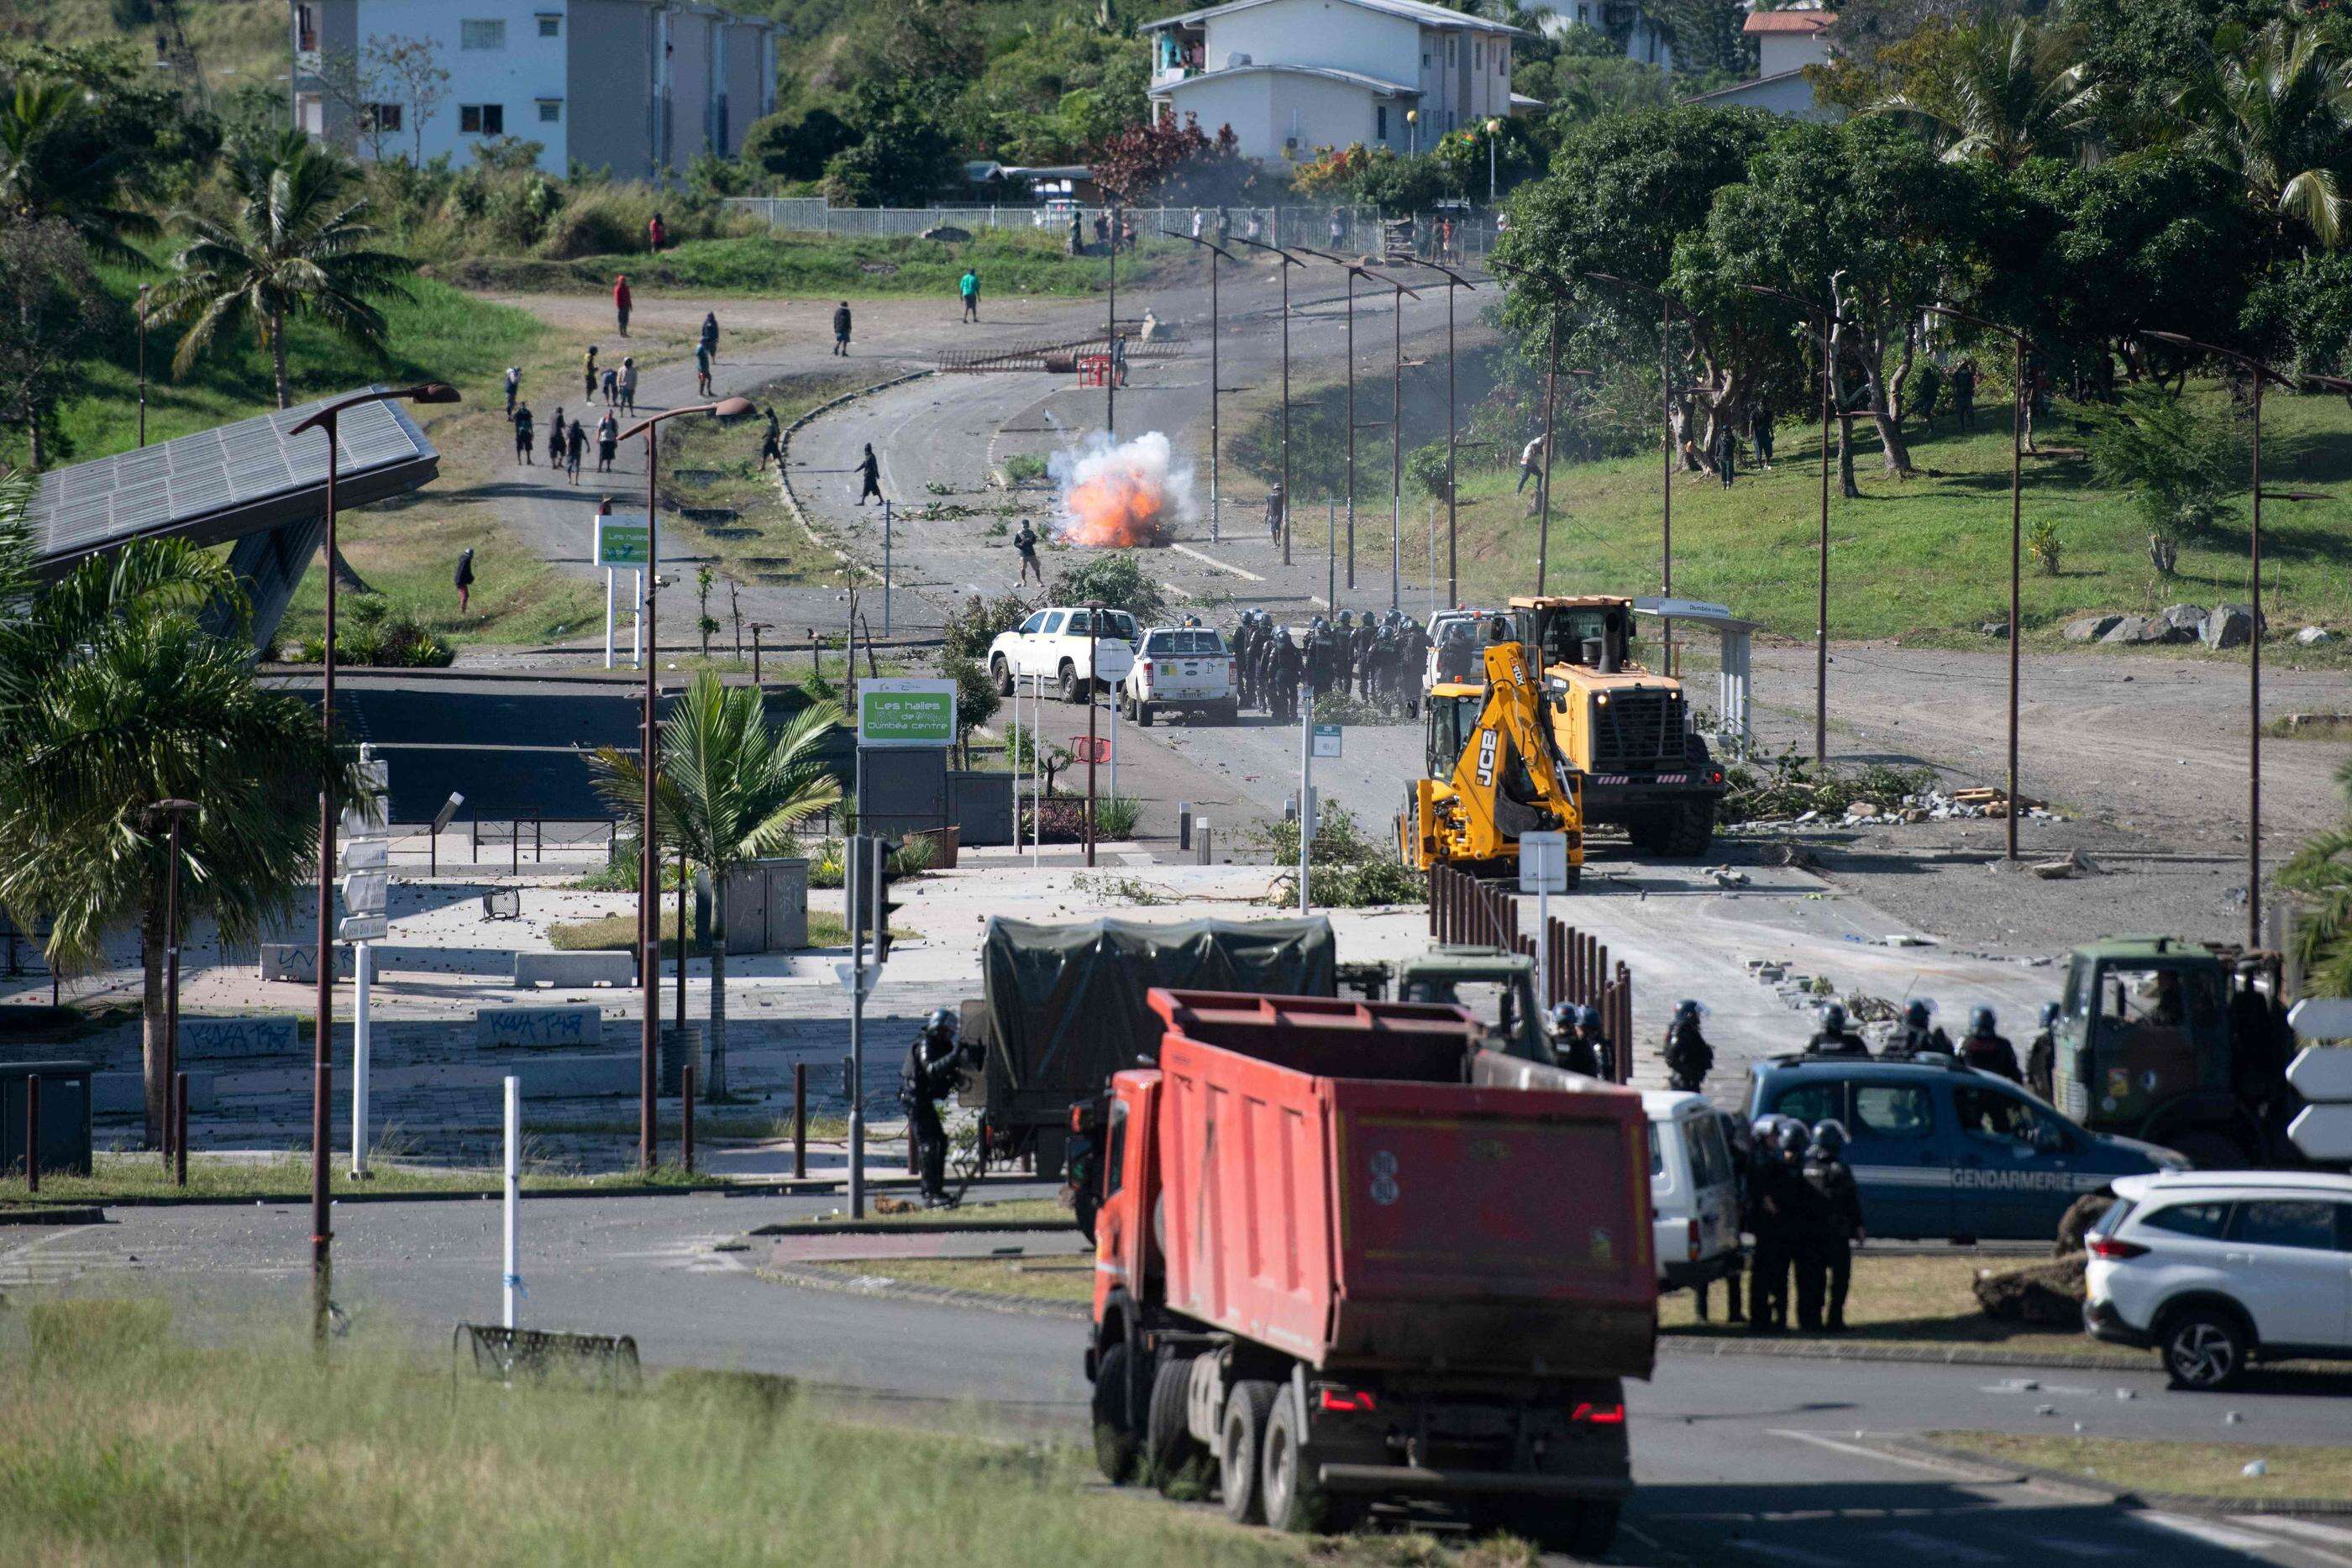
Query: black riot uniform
{"x": 1834, "y": 1038}
{"x": 1988, "y": 1050}
{"x": 1244, "y": 646}
{"x": 2041, "y": 1056}
{"x": 1772, "y": 1213}
{"x": 1413, "y": 661}
{"x": 1688, "y": 1056}
{"x": 934, "y": 1062}
{"x": 1281, "y": 667}
{"x": 1837, "y": 1224}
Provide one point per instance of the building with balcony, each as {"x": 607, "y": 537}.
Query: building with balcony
{"x": 1291, "y": 75}
{"x": 639, "y": 87}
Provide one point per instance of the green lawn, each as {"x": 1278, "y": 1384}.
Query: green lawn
{"x": 122, "y": 1176}
{"x": 1054, "y": 1279}
{"x": 618, "y": 934}
{"x": 2162, "y": 1466}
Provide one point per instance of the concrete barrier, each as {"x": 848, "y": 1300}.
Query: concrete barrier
{"x": 579, "y": 1077}
{"x": 125, "y": 1093}
{"x": 207, "y": 1039}
{"x": 571, "y": 970}
{"x": 539, "y": 1028}
{"x": 298, "y": 962}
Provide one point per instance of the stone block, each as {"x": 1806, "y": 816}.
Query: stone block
{"x": 298, "y": 962}
{"x": 2127, "y": 629}
{"x": 538, "y": 1028}
{"x": 578, "y": 1077}
{"x": 125, "y": 1093}
{"x": 2312, "y": 636}
{"x": 204, "y": 1038}
{"x": 575, "y": 969}
{"x": 2229, "y": 626}
{"x": 2189, "y": 618}
{"x": 2090, "y": 628}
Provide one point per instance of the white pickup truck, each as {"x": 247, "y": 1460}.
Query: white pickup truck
{"x": 1055, "y": 643}
{"x": 1182, "y": 667}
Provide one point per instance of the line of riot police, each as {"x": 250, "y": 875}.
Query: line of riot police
{"x": 1377, "y": 659}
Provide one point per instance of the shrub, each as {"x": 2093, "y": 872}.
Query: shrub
{"x": 1425, "y": 466}
{"x": 1115, "y": 579}
{"x": 599, "y": 223}
{"x": 969, "y": 630}
{"x": 2042, "y": 543}
{"x": 1115, "y": 817}
{"x": 976, "y": 698}
{"x": 2180, "y": 467}
{"x": 1025, "y": 467}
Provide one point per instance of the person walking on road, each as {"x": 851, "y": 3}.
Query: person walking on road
{"x": 628, "y": 387}
{"x": 523, "y": 443}
{"x": 588, "y": 373}
{"x": 968, "y": 287}
{"x": 1273, "y": 510}
{"x": 621, "y": 301}
{"x": 514, "y": 387}
{"x": 1530, "y": 465}
{"x": 710, "y": 332}
{"x": 869, "y": 472}
{"x": 702, "y": 370}
{"x": 841, "y": 330}
{"x": 771, "y": 444}
{"x": 465, "y": 579}
{"x": 608, "y": 439}
{"x": 1026, "y": 542}
{"x": 575, "y": 446}
{"x": 555, "y": 441}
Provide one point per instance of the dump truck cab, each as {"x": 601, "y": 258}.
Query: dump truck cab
{"x": 1624, "y": 729}
{"x": 1498, "y": 989}
{"x": 2182, "y": 1044}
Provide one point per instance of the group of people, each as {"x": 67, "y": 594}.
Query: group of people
{"x": 1379, "y": 658}
{"x": 1984, "y": 1047}
{"x": 1799, "y": 1200}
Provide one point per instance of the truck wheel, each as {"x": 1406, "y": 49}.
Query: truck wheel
{"x": 1650, "y": 831}
{"x": 1689, "y": 829}
{"x": 1071, "y": 685}
{"x": 2210, "y": 1151}
{"x": 1293, "y": 1497}
{"x": 1117, "y": 1442}
{"x": 1143, "y": 715}
{"x": 1239, "y": 1438}
{"x": 1170, "y": 1449}
{"x": 1003, "y": 674}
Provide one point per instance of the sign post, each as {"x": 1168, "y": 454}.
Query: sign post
{"x": 1543, "y": 871}
{"x": 2322, "y": 1074}
{"x": 364, "y": 862}
{"x": 621, "y": 542}
{"x": 906, "y": 712}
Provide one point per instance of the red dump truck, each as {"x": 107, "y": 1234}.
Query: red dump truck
{"x": 1346, "y": 1256}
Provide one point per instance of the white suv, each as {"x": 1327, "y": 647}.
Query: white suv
{"x": 2218, "y": 1268}
{"x": 1182, "y": 667}
{"x": 1056, "y": 642}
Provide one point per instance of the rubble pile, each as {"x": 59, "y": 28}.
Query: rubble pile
{"x": 1936, "y": 806}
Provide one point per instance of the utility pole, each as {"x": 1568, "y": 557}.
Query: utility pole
{"x": 1215, "y": 445}
{"x": 1289, "y": 261}
{"x": 1453, "y": 280}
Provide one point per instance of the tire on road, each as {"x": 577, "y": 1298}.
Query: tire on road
{"x": 1690, "y": 828}
{"x": 1143, "y": 715}
{"x": 1171, "y": 1454}
{"x": 1002, "y": 673}
{"x": 1117, "y": 1442}
{"x": 1289, "y": 1494}
{"x": 1240, "y": 1436}
{"x": 1072, "y": 687}
{"x": 2205, "y": 1346}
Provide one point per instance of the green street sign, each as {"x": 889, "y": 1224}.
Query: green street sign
{"x": 906, "y": 712}
{"x": 625, "y": 542}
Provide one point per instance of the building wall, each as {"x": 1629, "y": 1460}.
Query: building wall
{"x": 610, "y": 47}
{"x": 1318, "y": 33}
{"x": 1270, "y": 110}
{"x": 1790, "y": 96}
{"x": 1465, "y": 78}
{"x": 750, "y": 81}
{"x": 689, "y": 72}
{"x": 515, "y": 78}
{"x": 1777, "y": 52}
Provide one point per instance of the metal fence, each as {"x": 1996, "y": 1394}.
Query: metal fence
{"x": 1464, "y": 909}
{"x": 1358, "y": 227}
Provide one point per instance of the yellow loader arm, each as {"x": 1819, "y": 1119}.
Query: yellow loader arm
{"x": 1507, "y": 781}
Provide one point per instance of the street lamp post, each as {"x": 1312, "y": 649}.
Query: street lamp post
{"x": 1494, "y": 130}
{"x": 322, "y": 1068}
{"x": 1215, "y": 251}
{"x": 1396, "y": 445}
{"x": 1453, "y": 280}
{"x": 2016, "y": 539}
{"x": 1352, "y": 269}
{"x": 173, "y": 813}
{"x": 1826, "y": 315}
{"x": 1289, "y": 261}
{"x": 142, "y": 362}
{"x": 2262, "y": 372}
{"x": 1668, "y": 382}
{"x": 648, "y": 752}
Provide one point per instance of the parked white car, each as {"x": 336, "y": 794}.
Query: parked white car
{"x": 2217, "y": 1270}
{"x": 1693, "y": 1191}
{"x": 1186, "y": 668}
{"x": 1055, "y": 643}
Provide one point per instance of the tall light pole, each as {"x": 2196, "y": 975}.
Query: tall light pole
{"x": 1493, "y": 132}
{"x": 1826, "y": 317}
{"x": 1289, "y": 261}
{"x": 322, "y": 1061}
{"x": 1215, "y": 251}
{"x": 142, "y": 362}
{"x": 1354, "y": 268}
{"x": 1396, "y": 443}
{"x": 2262, "y": 372}
{"x": 648, "y": 765}
{"x": 1668, "y": 384}
{"x": 1111, "y": 335}
{"x": 173, "y": 814}
{"x": 1453, "y": 280}
{"x": 2016, "y": 538}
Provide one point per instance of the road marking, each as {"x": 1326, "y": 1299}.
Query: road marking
{"x": 1778, "y": 1554}
{"x": 1208, "y": 559}
{"x": 2335, "y": 1535}
{"x": 1865, "y": 1451}
{"x": 2211, "y": 1534}
{"x": 1935, "y": 1546}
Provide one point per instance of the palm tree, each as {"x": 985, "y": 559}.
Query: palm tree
{"x": 298, "y": 246}
{"x": 2002, "y": 92}
{"x": 2320, "y": 873}
{"x": 2275, "y": 115}
{"x": 731, "y": 789}
{"x": 54, "y": 163}
{"x": 112, "y": 697}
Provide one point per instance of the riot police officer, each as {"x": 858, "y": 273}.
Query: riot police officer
{"x": 1457, "y": 652}
{"x": 1590, "y": 1044}
{"x": 1412, "y": 658}
{"x": 1573, "y": 1047}
{"x": 1741, "y": 1140}
{"x": 1918, "y": 1034}
{"x": 2041, "y": 1056}
{"x": 1771, "y": 1213}
{"x": 1836, "y": 1038}
{"x": 1838, "y": 1226}
{"x": 933, "y": 1065}
{"x": 1245, "y": 660}
{"x": 1279, "y": 673}
{"x": 1804, "y": 1224}
{"x": 1323, "y": 658}
{"x": 1688, "y": 1056}
{"x": 1366, "y": 635}
{"x": 1987, "y": 1050}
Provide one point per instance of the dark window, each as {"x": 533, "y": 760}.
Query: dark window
{"x": 482, "y": 119}
{"x": 1381, "y": 132}
{"x": 1892, "y": 1110}
{"x": 2301, "y": 1222}
{"x": 1811, "y": 1102}
{"x": 380, "y": 117}
{"x": 550, "y": 25}
{"x": 1115, "y": 1154}
{"x": 551, "y": 110}
{"x": 2205, "y": 1221}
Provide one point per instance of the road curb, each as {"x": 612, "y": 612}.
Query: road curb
{"x": 1956, "y": 1355}
{"x": 912, "y": 1228}
{"x": 175, "y": 1200}
{"x": 86, "y": 1214}
{"x": 817, "y": 1278}
{"x": 784, "y": 460}
{"x": 2127, "y": 1497}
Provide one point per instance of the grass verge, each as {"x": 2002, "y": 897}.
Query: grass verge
{"x": 2162, "y": 1466}
{"x": 1047, "y": 1213}
{"x": 1058, "y": 1280}
{"x": 140, "y": 1447}
{"x": 125, "y": 1175}
{"x": 618, "y": 934}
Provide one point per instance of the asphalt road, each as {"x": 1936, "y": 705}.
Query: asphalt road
{"x": 1738, "y": 1460}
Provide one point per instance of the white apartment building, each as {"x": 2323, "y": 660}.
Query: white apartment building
{"x": 640, "y": 87}
{"x": 1291, "y": 75}
{"x": 1787, "y": 41}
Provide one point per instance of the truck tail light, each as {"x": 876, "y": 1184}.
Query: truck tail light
{"x": 1591, "y": 1415}
{"x": 2108, "y": 1247}
{"x": 1694, "y": 1240}
{"x": 1346, "y": 1401}
{"x": 1146, "y": 667}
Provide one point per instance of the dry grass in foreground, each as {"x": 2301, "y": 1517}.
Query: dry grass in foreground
{"x": 2161, "y": 1467}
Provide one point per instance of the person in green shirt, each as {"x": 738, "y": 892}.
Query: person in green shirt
{"x": 969, "y": 288}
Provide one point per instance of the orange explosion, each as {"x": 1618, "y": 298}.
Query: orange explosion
{"x": 1121, "y": 503}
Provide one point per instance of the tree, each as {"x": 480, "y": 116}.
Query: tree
{"x": 798, "y": 147}
{"x": 1162, "y": 162}
{"x": 2319, "y": 874}
{"x": 52, "y": 314}
{"x": 56, "y": 162}
{"x": 112, "y": 697}
{"x": 1999, "y": 91}
{"x": 1114, "y": 578}
{"x": 356, "y": 84}
{"x": 412, "y": 68}
{"x": 731, "y": 789}
{"x": 2275, "y": 114}
{"x": 2182, "y": 469}
{"x": 296, "y": 247}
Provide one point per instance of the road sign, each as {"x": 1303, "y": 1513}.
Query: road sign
{"x": 854, "y": 978}
{"x": 364, "y": 892}
{"x": 2320, "y": 1018}
{"x": 360, "y": 929}
{"x": 1327, "y": 740}
{"x": 906, "y": 711}
{"x": 2321, "y": 1072}
{"x": 1543, "y": 863}
{"x": 624, "y": 541}
{"x": 2323, "y": 1132}
{"x": 367, "y": 853}
{"x": 1094, "y": 750}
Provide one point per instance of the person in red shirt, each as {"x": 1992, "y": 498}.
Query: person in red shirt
{"x": 657, "y": 232}
{"x": 621, "y": 301}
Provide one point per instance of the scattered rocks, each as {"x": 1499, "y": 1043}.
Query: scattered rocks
{"x": 2127, "y": 629}
{"x": 2187, "y": 618}
{"x": 2229, "y": 626}
{"x": 2090, "y": 628}
{"x": 1996, "y": 629}
{"x": 2312, "y": 636}
{"x": 1936, "y": 806}
{"x": 2070, "y": 864}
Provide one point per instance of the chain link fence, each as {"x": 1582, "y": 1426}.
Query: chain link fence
{"x": 1344, "y": 226}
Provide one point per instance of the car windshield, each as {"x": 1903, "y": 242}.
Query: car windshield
{"x": 1189, "y": 641}
{"x": 1710, "y": 1157}
{"x": 1998, "y": 1113}
{"x": 2163, "y": 996}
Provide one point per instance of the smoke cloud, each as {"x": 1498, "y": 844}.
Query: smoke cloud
{"x": 1121, "y": 496}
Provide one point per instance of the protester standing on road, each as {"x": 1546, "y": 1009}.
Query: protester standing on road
{"x": 575, "y": 447}
{"x": 621, "y": 301}
{"x": 869, "y": 470}
{"x": 608, "y": 439}
{"x": 1274, "y": 511}
{"x": 555, "y": 441}
{"x": 522, "y": 433}
{"x": 629, "y": 384}
{"x": 841, "y": 330}
{"x": 514, "y": 386}
{"x": 710, "y": 332}
{"x": 702, "y": 370}
{"x": 1839, "y": 1225}
{"x": 588, "y": 373}
{"x": 465, "y": 579}
{"x": 933, "y": 1065}
{"x": 1026, "y": 543}
{"x": 1988, "y": 1050}
{"x": 968, "y": 285}
{"x": 1530, "y": 465}
{"x": 611, "y": 387}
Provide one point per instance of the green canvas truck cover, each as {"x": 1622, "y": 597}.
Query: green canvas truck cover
{"x": 1065, "y": 1004}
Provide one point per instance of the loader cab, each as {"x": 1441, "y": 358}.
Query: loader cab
{"x": 1595, "y": 634}
{"x": 1453, "y": 710}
